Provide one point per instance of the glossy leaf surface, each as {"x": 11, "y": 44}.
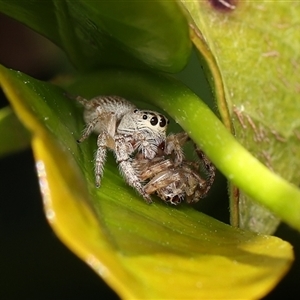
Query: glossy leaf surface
{"x": 97, "y": 33}
{"x": 142, "y": 251}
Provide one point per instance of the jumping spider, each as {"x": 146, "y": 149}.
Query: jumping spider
{"x": 173, "y": 181}
{"x": 143, "y": 151}
{"x": 125, "y": 130}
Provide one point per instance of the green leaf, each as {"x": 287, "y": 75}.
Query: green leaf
{"x": 13, "y": 135}
{"x": 96, "y": 33}
{"x": 252, "y": 52}
{"x": 141, "y": 250}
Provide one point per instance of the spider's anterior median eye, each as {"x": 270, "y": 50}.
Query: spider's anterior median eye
{"x": 153, "y": 121}
{"x": 163, "y": 121}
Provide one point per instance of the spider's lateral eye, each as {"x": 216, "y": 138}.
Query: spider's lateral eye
{"x": 135, "y": 111}
{"x": 163, "y": 122}
{"x": 145, "y": 117}
{"x": 153, "y": 121}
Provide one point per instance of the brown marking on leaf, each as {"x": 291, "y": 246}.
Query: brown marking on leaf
{"x": 272, "y": 53}
{"x": 297, "y": 134}
{"x": 236, "y": 192}
{"x": 295, "y": 64}
{"x": 239, "y": 114}
{"x": 283, "y": 25}
{"x": 297, "y": 87}
{"x": 268, "y": 160}
{"x": 223, "y": 5}
{"x": 277, "y": 135}
{"x": 273, "y": 87}
{"x": 282, "y": 77}
{"x": 259, "y": 132}
{"x": 262, "y": 134}
{"x": 257, "y": 136}
{"x": 235, "y": 197}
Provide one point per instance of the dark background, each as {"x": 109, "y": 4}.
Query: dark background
{"x": 33, "y": 262}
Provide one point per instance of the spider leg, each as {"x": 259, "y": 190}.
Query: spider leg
{"x": 210, "y": 170}
{"x": 174, "y": 143}
{"x": 102, "y": 142}
{"x": 88, "y": 130}
{"x": 87, "y": 104}
{"x": 122, "y": 152}
{"x": 80, "y": 99}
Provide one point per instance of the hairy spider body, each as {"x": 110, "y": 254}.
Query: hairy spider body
{"x": 172, "y": 180}
{"x": 143, "y": 151}
{"x": 124, "y": 129}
